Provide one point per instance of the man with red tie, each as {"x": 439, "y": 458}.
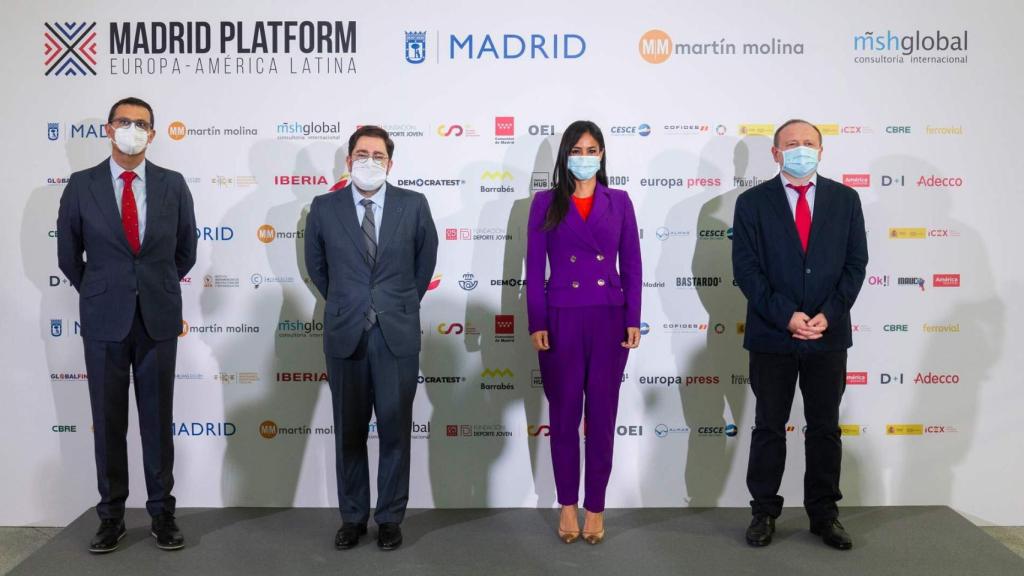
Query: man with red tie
{"x": 799, "y": 255}
{"x": 125, "y": 238}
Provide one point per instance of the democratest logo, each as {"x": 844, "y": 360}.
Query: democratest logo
{"x": 434, "y": 183}
{"x": 656, "y": 47}
{"x": 916, "y": 47}
{"x": 69, "y": 49}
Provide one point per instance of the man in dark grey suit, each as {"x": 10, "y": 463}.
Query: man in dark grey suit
{"x": 370, "y": 251}
{"x": 125, "y": 237}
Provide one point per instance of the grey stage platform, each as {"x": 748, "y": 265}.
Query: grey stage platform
{"x": 903, "y": 541}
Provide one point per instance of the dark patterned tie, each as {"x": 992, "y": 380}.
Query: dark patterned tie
{"x": 369, "y": 227}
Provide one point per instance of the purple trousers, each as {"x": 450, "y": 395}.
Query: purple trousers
{"x": 582, "y": 373}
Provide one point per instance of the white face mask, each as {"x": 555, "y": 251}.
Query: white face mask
{"x": 368, "y": 175}
{"x": 131, "y": 140}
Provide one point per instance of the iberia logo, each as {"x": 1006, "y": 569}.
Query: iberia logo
{"x": 434, "y": 282}
{"x": 69, "y": 48}
{"x": 341, "y": 183}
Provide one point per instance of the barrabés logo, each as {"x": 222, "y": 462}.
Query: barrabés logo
{"x": 209, "y": 48}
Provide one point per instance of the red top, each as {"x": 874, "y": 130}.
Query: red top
{"x": 583, "y": 205}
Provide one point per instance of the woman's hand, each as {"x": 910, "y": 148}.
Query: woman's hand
{"x": 540, "y": 340}
{"x": 632, "y": 337}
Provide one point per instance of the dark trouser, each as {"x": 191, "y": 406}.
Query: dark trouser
{"x": 773, "y": 378}
{"x": 371, "y": 380}
{"x": 152, "y": 364}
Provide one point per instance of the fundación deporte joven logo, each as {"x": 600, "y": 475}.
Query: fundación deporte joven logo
{"x": 69, "y": 48}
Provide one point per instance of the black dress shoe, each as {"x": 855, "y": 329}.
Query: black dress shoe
{"x": 832, "y": 533}
{"x": 348, "y": 535}
{"x": 108, "y": 536}
{"x": 389, "y": 536}
{"x": 166, "y": 532}
{"x": 760, "y": 531}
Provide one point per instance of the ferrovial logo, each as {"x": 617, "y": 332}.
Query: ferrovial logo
{"x": 656, "y": 47}
{"x": 944, "y": 130}
{"x": 828, "y": 129}
{"x": 917, "y": 47}
{"x": 904, "y": 429}
{"x": 952, "y": 328}
{"x": 946, "y": 280}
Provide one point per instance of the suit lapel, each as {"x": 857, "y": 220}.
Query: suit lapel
{"x": 575, "y": 222}
{"x": 102, "y": 189}
{"x": 156, "y": 195}
{"x": 602, "y": 201}
{"x": 822, "y": 206}
{"x": 394, "y": 209}
{"x": 785, "y": 214}
{"x": 345, "y": 211}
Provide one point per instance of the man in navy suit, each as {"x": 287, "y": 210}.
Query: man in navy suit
{"x": 799, "y": 254}
{"x": 125, "y": 238}
{"x": 370, "y": 250}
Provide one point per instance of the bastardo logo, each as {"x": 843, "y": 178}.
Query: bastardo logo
{"x": 946, "y": 280}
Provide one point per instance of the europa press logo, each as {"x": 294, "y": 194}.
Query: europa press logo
{"x": 69, "y": 48}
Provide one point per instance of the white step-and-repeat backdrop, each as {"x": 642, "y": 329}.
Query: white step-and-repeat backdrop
{"x": 918, "y": 101}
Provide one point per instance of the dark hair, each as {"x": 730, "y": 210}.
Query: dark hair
{"x": 564, "y": 183}
{"x": 371, "y": 132}
{"x": 132, "y": 101}
{"x": 775, "y": 140}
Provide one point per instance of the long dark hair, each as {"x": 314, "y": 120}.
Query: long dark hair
{"x": 564, "y": 183}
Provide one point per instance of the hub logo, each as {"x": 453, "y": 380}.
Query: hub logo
{"x": 415, "y": 47}
{"x": 69, "y": 49}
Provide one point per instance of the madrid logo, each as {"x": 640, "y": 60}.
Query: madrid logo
{"x": 69, "y": 49}
{"x": 415, "y": 47}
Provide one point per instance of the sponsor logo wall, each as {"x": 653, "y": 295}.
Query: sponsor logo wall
{"x": 255, "y": 109}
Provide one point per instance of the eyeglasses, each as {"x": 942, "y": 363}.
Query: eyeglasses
{"x": 126, "y": 122}
{"x": 377, "y": 157}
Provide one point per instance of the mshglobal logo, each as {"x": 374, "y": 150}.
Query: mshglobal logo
{"x": 309, "y": 131}
{"x": 920, "y": 47}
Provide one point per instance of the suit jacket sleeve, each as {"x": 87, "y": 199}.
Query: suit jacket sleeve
{"x": 185, "y": 253}
{"x": 426, "y": 248}
{"x": 747, "y": 269}
{"x": 70, "y": 246}
{"x": 630, "y": 266}
{"x": 844, "y": 294}
{"x": 536, "y": 265}
{"x": 316, "y": 262}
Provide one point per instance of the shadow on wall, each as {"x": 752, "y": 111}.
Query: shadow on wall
{"x": 62, "y": 346}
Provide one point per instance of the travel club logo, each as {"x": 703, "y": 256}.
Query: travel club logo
{"x": 201, "y": 48}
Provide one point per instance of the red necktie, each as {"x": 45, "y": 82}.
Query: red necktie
{"x": 803, "y": 213}
{"x": 129, "y": 213}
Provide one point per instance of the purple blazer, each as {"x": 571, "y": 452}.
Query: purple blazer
{"x": 583, "y": 255}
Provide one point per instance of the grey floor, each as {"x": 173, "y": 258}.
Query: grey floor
{"x": 931, "y": 541}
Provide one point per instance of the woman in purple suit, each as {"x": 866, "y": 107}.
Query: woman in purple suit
{"x": 584, "y": 318}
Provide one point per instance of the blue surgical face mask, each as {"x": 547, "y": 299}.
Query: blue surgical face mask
{"x": 800, "y": 161}
{"x": 584, "y": 167}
